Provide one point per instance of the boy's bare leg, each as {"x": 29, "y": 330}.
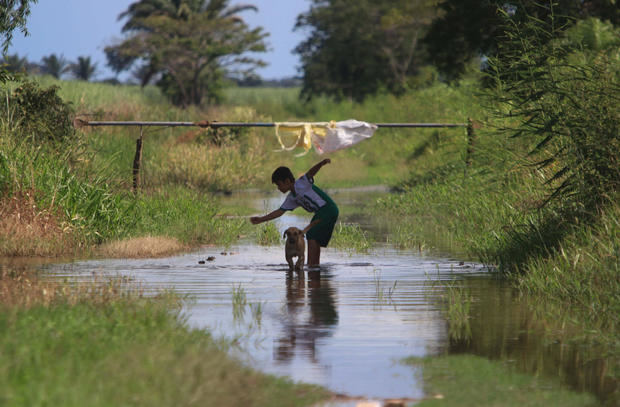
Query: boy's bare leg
{"x": 314, "y": 253}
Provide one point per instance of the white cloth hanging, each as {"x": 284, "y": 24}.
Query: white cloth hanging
{"x": 325, "y": 136}
{"x": 344, "y": 134}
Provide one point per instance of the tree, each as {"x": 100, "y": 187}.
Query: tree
{"x": 469, "y": 29}
{"x": 14, "y": 63}
{"x": 13, "y": 14}
{"x": 356, "y": 47}
{"x": 189, "y": 44}
{"x": 83, "y": 68}
{"x": 54, "y": 65}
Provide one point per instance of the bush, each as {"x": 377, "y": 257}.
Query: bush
{"x": 41, "y": 113}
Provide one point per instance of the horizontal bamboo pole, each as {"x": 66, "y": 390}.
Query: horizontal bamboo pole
{"x": 81, "y": 123}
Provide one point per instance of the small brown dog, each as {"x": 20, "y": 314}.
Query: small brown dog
{"x": 295, "y": 247}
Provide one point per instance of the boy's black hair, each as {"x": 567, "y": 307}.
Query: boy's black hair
{"x": 282, "y": 174}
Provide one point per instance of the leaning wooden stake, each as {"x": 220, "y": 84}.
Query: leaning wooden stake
{"x": 137, "y": 160}
{"x": 471, "y": 141}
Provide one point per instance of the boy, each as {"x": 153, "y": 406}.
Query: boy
{"x": 304, "y": 193}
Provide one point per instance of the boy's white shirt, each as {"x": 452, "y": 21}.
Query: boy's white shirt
{"x": 304, "y": 196}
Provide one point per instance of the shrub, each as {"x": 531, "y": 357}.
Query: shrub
{"x": 41, "y": 113}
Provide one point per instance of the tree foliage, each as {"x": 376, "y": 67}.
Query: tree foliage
{"x": 469, "y": 29}
{"x": 13, "y": 14}
{"x": 14, "y": 63}
{"x": 54, "y": 65}
{"x": 357, "y": 47}
{"x": 189, "y": 45}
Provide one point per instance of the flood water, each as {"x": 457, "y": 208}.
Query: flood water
{"x": 348, "y": 325}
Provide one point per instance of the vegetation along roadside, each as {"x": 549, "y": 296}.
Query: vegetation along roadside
{"x": 535, "y": 194}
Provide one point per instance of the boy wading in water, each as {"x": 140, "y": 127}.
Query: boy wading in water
{"x": 304, "y": 193}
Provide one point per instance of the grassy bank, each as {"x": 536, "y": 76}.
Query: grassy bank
{"x": 69, "y": 194}
{"x": 104, "y": 343}
{"x": 466, "y": 380}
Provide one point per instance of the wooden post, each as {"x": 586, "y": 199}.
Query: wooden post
{"x": 136, "y": 163}
{"x": 471, "y": 141}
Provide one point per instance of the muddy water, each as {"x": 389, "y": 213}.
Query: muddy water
{"x": 347, "y": 325}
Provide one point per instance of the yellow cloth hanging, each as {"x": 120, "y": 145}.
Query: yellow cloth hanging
{"x": 303, "y": 134}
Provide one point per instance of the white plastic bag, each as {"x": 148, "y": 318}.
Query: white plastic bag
{"x": 342, "y": 135}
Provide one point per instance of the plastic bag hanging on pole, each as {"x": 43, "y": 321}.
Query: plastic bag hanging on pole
{"x": 342, "y": 135}
{"x": 325, "y": 136}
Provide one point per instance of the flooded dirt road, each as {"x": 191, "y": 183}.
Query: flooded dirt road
{"x": 348, "y": 325}
{"x": 345, "y": 326}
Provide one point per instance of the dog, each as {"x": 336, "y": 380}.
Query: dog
{"x": 295, "y": 247}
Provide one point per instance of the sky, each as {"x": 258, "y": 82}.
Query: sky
{"x": 74, "y": 28}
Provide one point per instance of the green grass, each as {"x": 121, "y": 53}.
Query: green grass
{"x": 467, "y": 380}
{"x": 126, "y": 352}
{"x": 267, "y": 234}
{"x": 351, "y": 238}
{"x": 583, "y": 272}
{"x": 188, "y": 216}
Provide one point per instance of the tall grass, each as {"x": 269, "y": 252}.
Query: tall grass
{"x": 186, "y": 215}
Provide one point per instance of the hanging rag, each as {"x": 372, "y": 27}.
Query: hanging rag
{"x": 325, "y": 136}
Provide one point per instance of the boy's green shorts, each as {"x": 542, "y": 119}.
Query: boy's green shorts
{"x": 322, "y": 231}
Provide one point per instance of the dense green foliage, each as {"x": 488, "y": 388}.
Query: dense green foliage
{"x": 39, "y": 114}
{"x": 191, "y": 44}
{"x": 565, "y": 103}
{"x": 476, "y": 27}
{"x": 355, "y": 48}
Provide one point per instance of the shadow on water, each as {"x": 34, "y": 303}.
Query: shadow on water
{"x": 348, "y": 325}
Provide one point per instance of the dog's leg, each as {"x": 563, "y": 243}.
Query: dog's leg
{"x": 299, "y": 266}
{"x": 290, "y": 263}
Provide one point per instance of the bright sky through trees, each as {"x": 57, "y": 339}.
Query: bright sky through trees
{"x": 74, "y": 28}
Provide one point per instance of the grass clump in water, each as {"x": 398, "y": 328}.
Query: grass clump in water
{"x": 268, "y": 234}
{"x": 350, "y": 237}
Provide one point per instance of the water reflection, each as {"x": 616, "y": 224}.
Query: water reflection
{"x": 503, "y": 325}
{"x": 300, "y": 331}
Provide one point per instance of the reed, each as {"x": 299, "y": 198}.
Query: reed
{"x": 239, "y": 302}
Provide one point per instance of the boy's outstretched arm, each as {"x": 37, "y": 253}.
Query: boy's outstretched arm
{"x": 272, "y": 215}
{"x": 312, "y": 171}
